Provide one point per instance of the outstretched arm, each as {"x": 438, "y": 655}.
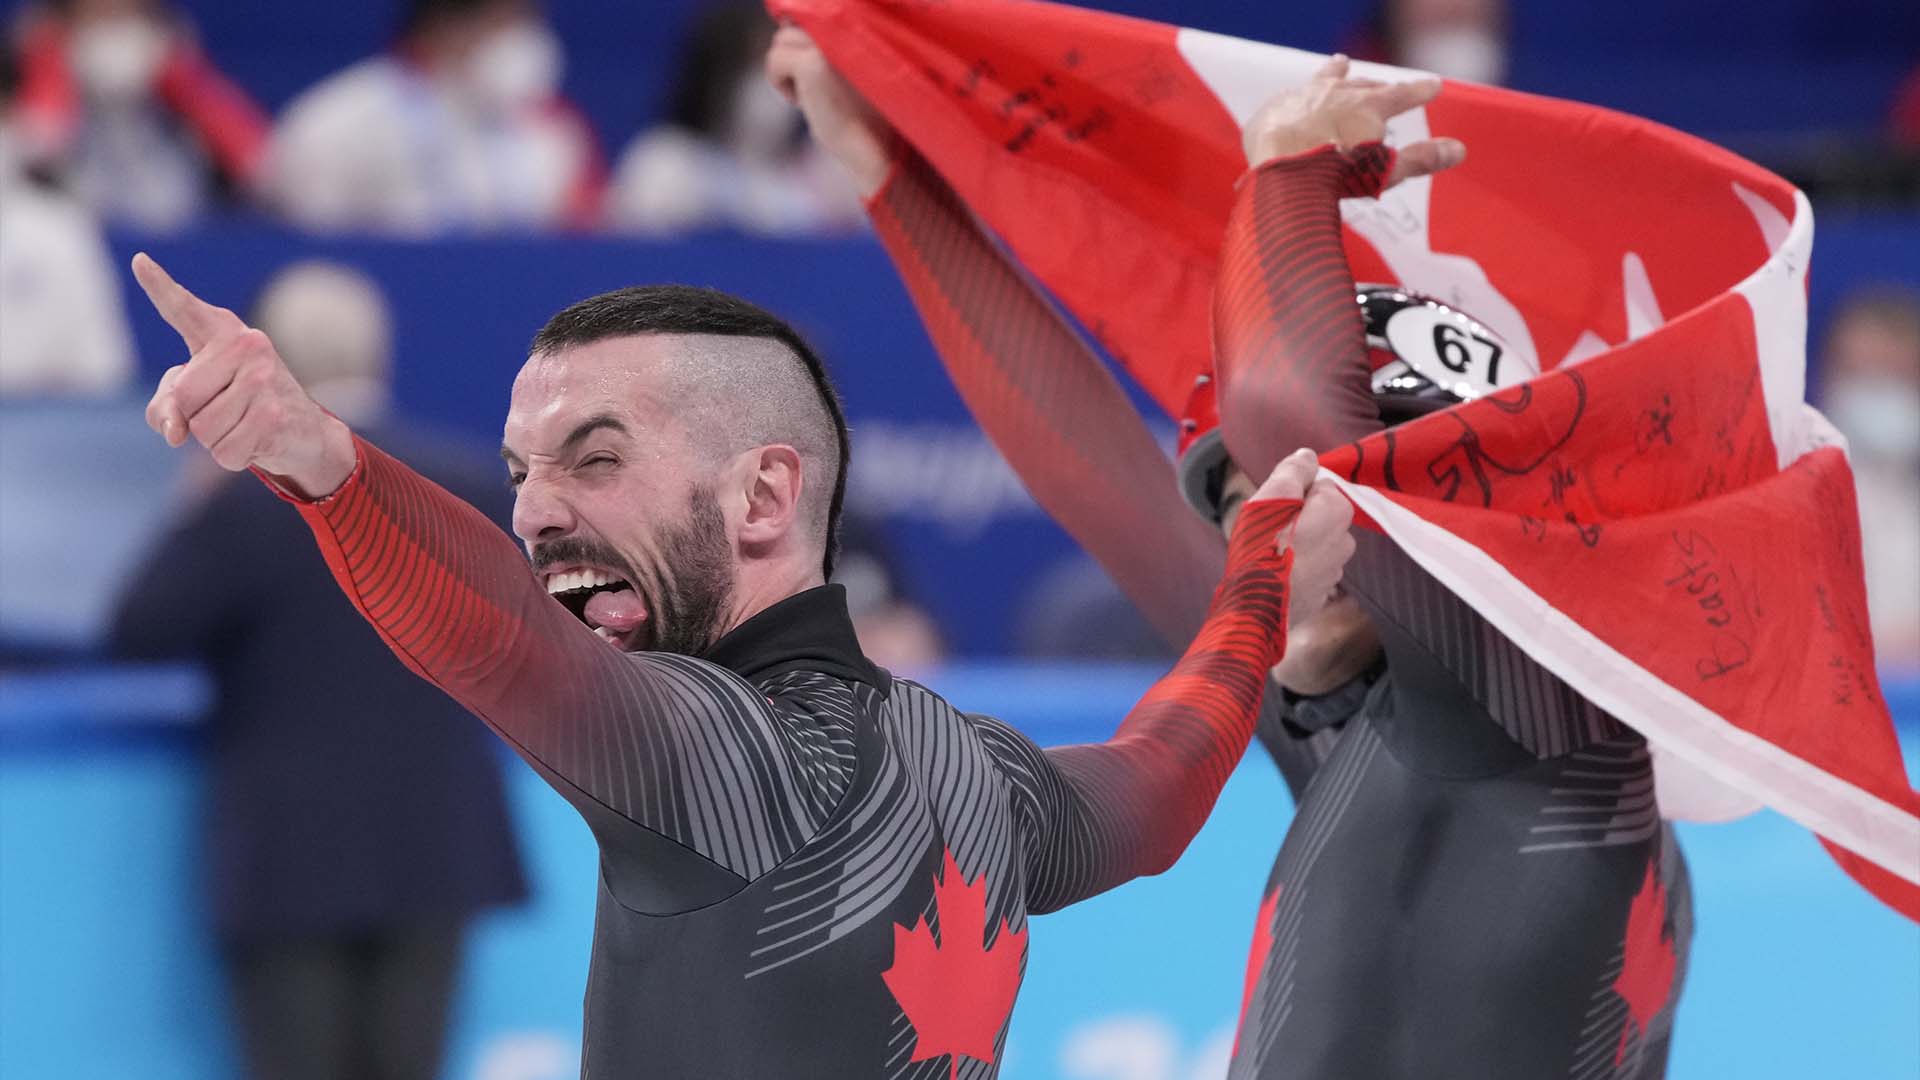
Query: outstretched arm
{"x": 1290, "y": 347}
{"x": 1045, "y": 399}
{"x": 1094, "y": 816}
{"x": 1289, "y": 343}
{"x": 1048, "y": 403}
{"x": 228, "y": 123}
{"x": 675, "y": 746}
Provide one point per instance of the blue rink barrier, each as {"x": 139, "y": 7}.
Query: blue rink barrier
{"x": 107, "y": 969}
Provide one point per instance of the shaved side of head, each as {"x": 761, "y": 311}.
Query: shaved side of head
{"x": 739, "y": 375}
{"x": 739, "y": 393}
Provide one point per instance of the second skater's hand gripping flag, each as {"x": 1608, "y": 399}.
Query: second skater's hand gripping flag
{"x": 1651, "y": 510}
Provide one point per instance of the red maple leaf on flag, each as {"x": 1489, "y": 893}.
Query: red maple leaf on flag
{"x": 1646, "y": 971}
{"x": 957, "y": 991}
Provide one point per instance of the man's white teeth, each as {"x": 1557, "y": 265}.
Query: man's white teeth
{"x": 605, "y": 634}
{"x": 578, "y": 579}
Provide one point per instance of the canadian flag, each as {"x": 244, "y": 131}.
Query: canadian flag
{"x": 1653, "y": 512}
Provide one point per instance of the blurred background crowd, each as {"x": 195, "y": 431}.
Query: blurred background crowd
{"x": 423, "y": 117}
{"x": 448, "y": 119}
{"x": 399, "y": 191}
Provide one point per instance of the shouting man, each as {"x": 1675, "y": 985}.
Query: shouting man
{"x": 808, "y": 868}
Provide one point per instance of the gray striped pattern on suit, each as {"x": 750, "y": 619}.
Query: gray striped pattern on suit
{"x": 1532, "y": 705}
{"x": 695, "y": 753}
{"x": 1602, "y": 797}
{"x": 862, "y": 860}
{"x": 1333, "y": 790}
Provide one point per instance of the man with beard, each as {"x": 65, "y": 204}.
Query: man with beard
{"x": 808, "y": 868}
{"x": 1478, "y": 882}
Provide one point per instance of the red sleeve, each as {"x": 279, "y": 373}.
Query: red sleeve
{"x": 233, "y": 129}
{"x": 671, "y": 744}
{"x": 1289, "y": 343}
{"x": 1099, "y": 815}
{"x": 1048, "y": 403}
{"x": 47, "y": 99}
{"x": 1904, "y": 120}
{"x": 585, "y": 206}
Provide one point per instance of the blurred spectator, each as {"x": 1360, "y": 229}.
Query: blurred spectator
{"x": 461, "y": 126}
{"x": 894, "y": 631}
{"x": 733, "y": 152}
{"x": 1903, "y": 123}
{"x": 1459, "y": 39}
{"x": 62, "y": 329}
{"x": 117, "y": 93}
{"x": 356, "y": 822}
{"x": 1871, "y": 374}
{"x": 1075, "y": 612}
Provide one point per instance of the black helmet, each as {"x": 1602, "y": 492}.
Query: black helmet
{"x": 1425, "y": 356}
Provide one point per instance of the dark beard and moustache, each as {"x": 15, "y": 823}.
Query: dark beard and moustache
{"x": 690, "y": 591}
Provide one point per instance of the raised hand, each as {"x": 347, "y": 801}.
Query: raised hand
{"x": 1332, "y": 108}
{"x": 1321, "y": 538}
{"x": 236, "y": 396}
{"x": 839, "y": 118}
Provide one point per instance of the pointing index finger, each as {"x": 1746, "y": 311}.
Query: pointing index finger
{"x": 196, "y": 321}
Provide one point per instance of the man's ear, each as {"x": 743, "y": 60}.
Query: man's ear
{"x": 772, "y": 483}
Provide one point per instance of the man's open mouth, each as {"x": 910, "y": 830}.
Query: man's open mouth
{"x": 604, "y": 601}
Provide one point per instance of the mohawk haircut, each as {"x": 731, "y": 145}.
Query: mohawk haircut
{"x": 790, "y": 400}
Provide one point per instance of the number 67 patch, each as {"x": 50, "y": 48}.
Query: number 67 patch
{"x": 1423, "y": 348}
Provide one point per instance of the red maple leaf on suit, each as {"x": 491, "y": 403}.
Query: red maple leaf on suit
{"x": 957, "y": 991}
{"x": 1646, "y": 971}
{"x": 1257, "y": 957}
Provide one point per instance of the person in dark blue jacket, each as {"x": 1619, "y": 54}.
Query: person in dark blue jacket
{"x": 355, "y": 823}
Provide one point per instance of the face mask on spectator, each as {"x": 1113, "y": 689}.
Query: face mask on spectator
{"x": 115, "y": 59}
{"x": 1467, "y": 53}
{"x": 1880, "y": 416}
{"x": 514, "y": 67}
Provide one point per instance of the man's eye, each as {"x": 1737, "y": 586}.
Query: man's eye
{"x": 598, "y": 459}
{"x": 514, "y": 480}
